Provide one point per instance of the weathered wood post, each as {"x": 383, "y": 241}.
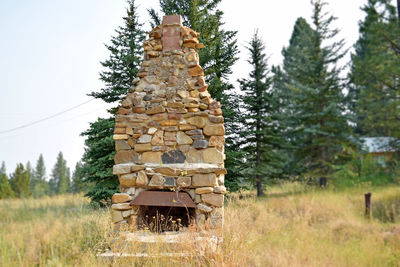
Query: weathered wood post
{"x": 322, "y": 182}
{"x": 368, "y": 205}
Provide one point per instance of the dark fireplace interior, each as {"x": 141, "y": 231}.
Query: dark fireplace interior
{"x": 160, "y": 219}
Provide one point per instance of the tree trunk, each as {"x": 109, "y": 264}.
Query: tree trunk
{"x": 259, "y": 186}
{"x": 323, "y": 157}
{"x": 398, "y": 9}
{"x": 258, "y": 159}
{"x": 258, "y": 162}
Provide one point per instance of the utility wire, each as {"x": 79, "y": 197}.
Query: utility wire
{"x": 58, "y": 122}
{"x": 45, "y": 119}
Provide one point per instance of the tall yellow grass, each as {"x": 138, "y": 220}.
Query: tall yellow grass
{"x": 290, "y": 226}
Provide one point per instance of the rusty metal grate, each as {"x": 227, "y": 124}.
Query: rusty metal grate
{"x": 163, "y": 199}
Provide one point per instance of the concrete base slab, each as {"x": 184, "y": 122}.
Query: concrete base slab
{"x": 168, "y": 244}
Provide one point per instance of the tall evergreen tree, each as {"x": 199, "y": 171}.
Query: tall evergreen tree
{"x": 40, "y": 187}
{"x": 29, "y": 169}
{"x": 20, "y": 182}
{"x": 312, "y": 94}
{"x": 78, "y": 180}
{"x": 261, "y": 130}
{"x": 120, "y": 69}
{"x": 293, "y": 71}
{"x": 39, "y": 173}
{"x": 5, "y": 187}
{"x": 3, "y": 169}
{"x": 217, "y": 58}
{"x": 65, "y": 183}
{"x": 235, "y": 156}
{"x": 375, "y": 71}
{"x": 60, "y": 176}
{"x": 125, "y": 58}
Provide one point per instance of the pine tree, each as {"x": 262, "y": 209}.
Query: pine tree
{"x": 20, "y": 182}
{"x": 235, "y": 157}
{"x": 5, "y": 187}
{"x": 375, "y": 71}
{"x": 312, "y": 95}
{"x": 261, "y": 132}
{"x": 29, "y": 169}
{"x": 60, "y": 176}
{"x": 293, "y": 71}
{"x": 78, "y": 179}
{"x": 38, "y": 172}
{"x": 125, "y": 58}
{"x": 3, "y": 169}
{"x": 65, "y": 183}
{"x": 216, "y": 59}
{"x": 39, "y": 183}
{"x": 120, "y": 69}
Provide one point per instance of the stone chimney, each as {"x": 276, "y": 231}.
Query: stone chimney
{"x": 169, "y": 137}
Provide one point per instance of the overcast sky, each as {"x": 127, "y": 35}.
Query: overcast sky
{"x": 50, "y": 52}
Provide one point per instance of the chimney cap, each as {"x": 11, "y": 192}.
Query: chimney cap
{"x": 172, "y": 19}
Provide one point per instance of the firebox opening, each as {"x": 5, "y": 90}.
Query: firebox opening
{"x": 163, "y": 218}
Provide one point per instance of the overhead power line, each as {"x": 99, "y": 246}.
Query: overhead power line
{"x": 46, "y": 118}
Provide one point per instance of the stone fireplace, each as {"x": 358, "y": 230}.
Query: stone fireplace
{"x": 169, "y": 137}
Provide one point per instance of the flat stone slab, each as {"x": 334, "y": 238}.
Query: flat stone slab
{"x": 203, "y": 243}
{"x": 184, "y": 166}
{"x": 109, "y": 255}
{"x": 167, "y": 237}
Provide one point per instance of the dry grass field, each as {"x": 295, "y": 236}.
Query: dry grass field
{"x": 291, "y": 226}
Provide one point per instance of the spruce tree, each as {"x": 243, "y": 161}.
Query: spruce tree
{"x": 65, "y": 183}
{"x": 60, "y": 176}
{"x": 261, "y": 130}
{"x": 293, "y": 71}
{"x": 29, "y": 169}
{"x": 3, "y": 169}
{"x": 38, "y": 172}
{"x": 39, "y": 183}
{"x": 125, "y": 58}
{"x": 235, "y": 160}
{"x": 40, "y": 169}
{"x": 312, "y": 96}
{"x": 5, "y": 187}
{"x": 120, "y": 69}
{"x": 375, "y": 71}
{"x": 20, "y": 182}
{"x": 78, "y": 179}
{"x": 216, "y": 59}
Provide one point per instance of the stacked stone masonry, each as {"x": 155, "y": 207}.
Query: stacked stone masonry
{"x": 169, "y": 132}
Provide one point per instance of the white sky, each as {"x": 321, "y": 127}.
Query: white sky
{"x": 50, "y": 52}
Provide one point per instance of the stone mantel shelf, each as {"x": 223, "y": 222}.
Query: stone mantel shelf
{"x": 183, "y": 166}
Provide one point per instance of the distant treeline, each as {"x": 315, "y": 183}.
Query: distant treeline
{"x": 28, "y": 181}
